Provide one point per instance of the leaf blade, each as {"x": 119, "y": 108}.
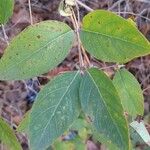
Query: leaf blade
{"x": 8, "y": 137}
{"x": 38, "y": 49}
{"x": 141, "y": 131}
{"x": 58, "y": 111}
{"x": 6, "y": 10}
{"x": 130, "y": 92}
{"x": 103, "y": 106}
{"x": 24, "y": 124}
{"x": 114, "y": 39}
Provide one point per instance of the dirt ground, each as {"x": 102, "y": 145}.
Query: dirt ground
{"x": 16, "y": 97}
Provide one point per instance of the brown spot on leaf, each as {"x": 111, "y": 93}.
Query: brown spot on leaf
{"x": 119, "y": 29}
{"x": 99, "y": 22}
{"x": 38, "y": 36}
{"x": 89, "y": 119}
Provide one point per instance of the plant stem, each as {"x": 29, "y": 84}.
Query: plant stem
{"x": 5, "y": 35}
{"x": 82, "y": 48}
{"x": 85, "y": 55}
{"x": 138, "y": 15}
{"x": 84, "y": 5}
{"x": 144, "y": 1}
{"x": 78, "y": 39}
{"x": 73, "y": 22}
{"x": 30, "y": 12}
{"x": 115, "y": 4}
{"x": 78, "y": 13}
{"x": 146, "y": 89}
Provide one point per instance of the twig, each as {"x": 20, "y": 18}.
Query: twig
{"x": 7, "y": 29}
{"x": 119, "y": 8}
{"x": 145, "y": 79}
{"x": 85, "y": 55}
{"x": 146, "y": 89}
{"x": 73, "y": 22}
{"x": 84, "y": 5}
{"x": 30, "y": 12}
{"x": 115, "y": 4}
{"x": 5, "y": 35}
{"x": 134, "y": 15}
{"x": 108, "y": 67}
{"x": 78, "y": 13}
{"x": 2, "y": 39}
{"x": 144, "y": 1}
{"x": 115, "y": 66}
{"x": 80, "y": 47}
{"x": 78, "y": 39}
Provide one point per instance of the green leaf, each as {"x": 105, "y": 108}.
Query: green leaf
{"x": 55, "y": 109}
{"x": 132, "y": 22}
{"x": 102, "y": 139}
{"x": 63, "y": 145}
{"x": 130, "y": 92}
{"x": 6, "y": 10}
{"x": 8, "y": 137}
{"x": 75, "y": 144}
{"x": 141, "y": 130}
{"x": 36, "y": 50}
{"x": 83, "y": 128}
{"x": 24, "y": 125}
{"x": 111, "y": 38}
{"x": 101, "y": 103}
